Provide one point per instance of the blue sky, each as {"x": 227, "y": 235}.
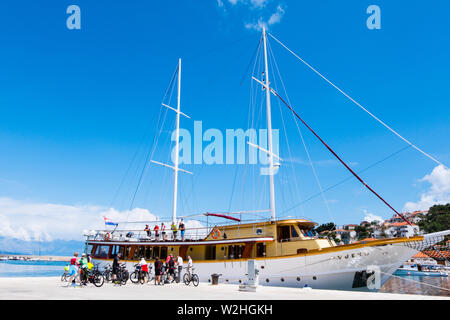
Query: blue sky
{"x": 76, "y": 104}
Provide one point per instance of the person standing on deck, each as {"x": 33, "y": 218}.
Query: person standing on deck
{"x": 174, "y": 231}
{"x": 156, "y": 229}
{"x": 147, "y": 229}
{"x": 163, "y": 231}
{"x": 181, "y": 228}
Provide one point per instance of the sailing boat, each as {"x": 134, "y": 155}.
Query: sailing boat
{"x": 286, "y": 251}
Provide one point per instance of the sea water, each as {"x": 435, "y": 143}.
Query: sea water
{"x": 19, "y": 268}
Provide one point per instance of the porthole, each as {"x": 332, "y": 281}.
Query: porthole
{"x": 314, "y": 278}
{"x": 240, "y": 281}
{"x": 191, "y": 249}
{"x": 262, "y": 267}
{"x": 223, "y": 248}
{"x": 298, "y": 278}
{"x": 267, "y": 280}
{"x": 226, "y": 280}
{"x": 282, "y": 279}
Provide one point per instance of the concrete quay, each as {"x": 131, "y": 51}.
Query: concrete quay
{"x": 51, "y": 288}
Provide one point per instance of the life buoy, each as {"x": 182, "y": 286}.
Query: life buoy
{"x": 216, "y": 233}
{"x": 108, "y": 236}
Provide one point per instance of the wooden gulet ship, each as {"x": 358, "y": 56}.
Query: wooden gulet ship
{"x": 287, "y": 251}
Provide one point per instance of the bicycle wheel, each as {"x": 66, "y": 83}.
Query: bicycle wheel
{"x": 84, "y": 279}
{"x": 99, "y": 280}
{"x": 134, "y": 277}
{"x": 108, "y": 275}
{"x": 195, "y": 280}
{"x": 124, "y": 276}
{"x": 186, "y": 279}
{"x": 64, "y": 277}
{"x": 144, "y": 277}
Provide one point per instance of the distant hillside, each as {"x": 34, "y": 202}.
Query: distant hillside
{"x": 55, "y": 248}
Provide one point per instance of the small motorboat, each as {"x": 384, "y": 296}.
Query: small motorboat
{"x": 419, "y": 270}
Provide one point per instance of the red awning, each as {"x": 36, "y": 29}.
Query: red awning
{"x": 222, "y": 216}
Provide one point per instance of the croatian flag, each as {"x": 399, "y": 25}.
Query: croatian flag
{"x": 108, "y": 222}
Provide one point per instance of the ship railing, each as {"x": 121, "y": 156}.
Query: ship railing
{"x": 194, "y": 233}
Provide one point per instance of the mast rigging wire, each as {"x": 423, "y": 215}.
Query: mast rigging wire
{"x": 358, "y": 104}
{"x": 337, "y": 157}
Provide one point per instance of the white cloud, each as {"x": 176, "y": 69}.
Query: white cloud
{"x": 256, "y": 11}
{"x": 276, "y": 17}
{"x": 252, "y": 3}
{"x": 437, "y": 193}
{"x": 370, "y": 217}
{"x": 273, "y": 19}
{"x": 45, "y": 221}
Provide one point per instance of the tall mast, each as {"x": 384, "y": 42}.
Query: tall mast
{"x": 177, "y": 147}
{"x": 269, "y": 129}
{"x": 177, "y": 151}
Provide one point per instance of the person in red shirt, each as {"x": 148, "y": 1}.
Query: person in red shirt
{"x": 73, "y": 270}
{"x": 156, "y": 229}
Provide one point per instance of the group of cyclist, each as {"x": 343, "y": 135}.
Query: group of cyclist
{"x": 77, "y": 266}
{"x": 161, "y": 267}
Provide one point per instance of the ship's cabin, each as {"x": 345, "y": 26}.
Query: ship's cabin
{"x": 224, "y": 242}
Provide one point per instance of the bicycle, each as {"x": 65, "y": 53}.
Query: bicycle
{"x": 139, "y": 274}
{"x": 107, "y": 273}
{"x": 188, "y": 278}
{"x": 122, "y": 275}
{"x": 93, "y": 276}
{"x": 65, "y": 275}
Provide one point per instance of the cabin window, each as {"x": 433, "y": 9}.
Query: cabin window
{"x": 259, "y": 231}
{"x": 148, "y": 253}
{"x": 261, "y": 249}
{"x": 235, "y": 251}
{"x": 102, "y": 252}
{"x": 210, "y": 253}
{"x": 89, "y": 249}
{"x": 306, "y": 232}
{"x": 124, "y": 251}
{"x": 284, "y": 233}
{"x": 139, "y": 252}
{"x": 294, "y": 233}
{"x": 163, "y": 252}
{"x": 156, "y": 252}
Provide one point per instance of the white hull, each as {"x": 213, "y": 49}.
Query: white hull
{"x": 333, "y": 270}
